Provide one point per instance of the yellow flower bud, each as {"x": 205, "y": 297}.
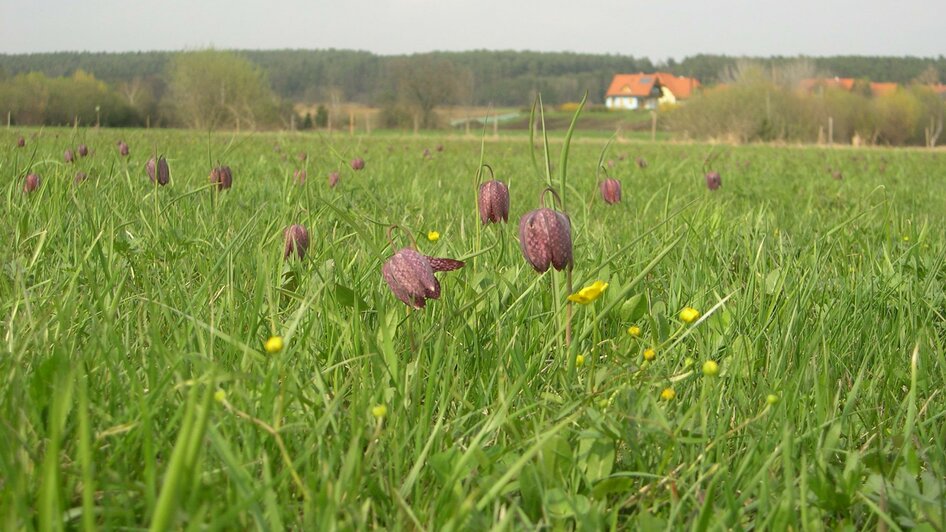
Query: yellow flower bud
{"x": 634, "y": 331}
{"x": 220, "y": 396}
{"x": 710, "y": 368}
{"x": 273, "y": 345}
{"x": 668, "y": 394}
{"x": 650, "y": 354}
{"x": 579, "y": 361}
{"x": 379, "y": 411}
{"x": 771, "y": 399}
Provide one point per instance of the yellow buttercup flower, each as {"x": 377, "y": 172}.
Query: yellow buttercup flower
{"x": 710, "y": 368}
{"x": 650, "y": 354}
{"x": 589, "y": 293}
{"x": 273, "y": 345}
{"x": 433, "y": 236}
{"x": 379, "y": 411}
{"x": 689, "y": 314}
{"x": 634, "y": 331}
{"x": 668, "y": 394}
{"x": 579, "y": 361}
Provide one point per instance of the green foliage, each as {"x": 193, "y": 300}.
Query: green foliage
{"x": 134, "y": 389}
{"x": 36, "y": 99}
{"x": 212, "y": 89}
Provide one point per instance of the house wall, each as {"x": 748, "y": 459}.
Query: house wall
{"x": 622, "y": 102}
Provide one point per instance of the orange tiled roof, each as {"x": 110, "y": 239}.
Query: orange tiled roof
{"x": 832, "y": 83}
{"x": 641, "y": 84}
{"x": 880, "y": 89}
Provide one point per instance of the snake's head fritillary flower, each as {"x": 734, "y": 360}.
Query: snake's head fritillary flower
{"x": 123, "y": 148}
{"x": 837, "y": 175}
{"x": 68, "y": 156}
{"x": 641, "y": 162}
{"x": 333, "y": 178}
{"x": 302, "y": 156}
{"x": 20, "y": 142}
{"x": 493, "y": 202}
{"x": 713, "y": 180}
{"x": 427, "y": 153}
{"x": 300, "y": 176}
{"x": 222, "y": 177}
{"x": 158, "y": 170}
{"x": 358, "y": 163}
{"x": 410, "y": 276}
{"x": 31, "y": 183}
{"x": 83, "y": 150}
{"x": 545, "y": 239}
{"x": 296, "y": 241}
{"x": 80, "y": 177}
{"x": 611, "y": 191}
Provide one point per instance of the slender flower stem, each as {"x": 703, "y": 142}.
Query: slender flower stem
{"x": 568, "y": 309}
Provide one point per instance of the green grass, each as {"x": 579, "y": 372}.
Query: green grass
{"x": 126, "y": 308}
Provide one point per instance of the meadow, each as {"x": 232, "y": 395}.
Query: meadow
{"x": 135, "y": 389}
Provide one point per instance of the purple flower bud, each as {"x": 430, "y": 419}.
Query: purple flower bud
{"x": 31, "y": 183}
{"x": 122, "y": 148}
{"x": 546, "y": 239}
{"x": 158, "y": 171}
{"x": 410, "y": 276}
{"x": 68, "y": 156}
{"x": 297, "y": 241}
{"x": 333, "y": 178}
{"x": 713, "y": 180}
{"x": 300, "y": 175}
{"x": 836, "y": 174}
{"x": 358, "y": 163}
{"x": 611, "y": 163}
{"x": 493, "y": 202}
{"x": 20, "y": 142}
{"x": 83, "y": 150}
{"x": 427, "y": 153}
{"x": 611, "y": 191}
{"x": 80, "y": 177}
{"x": 439, "y": 147}
{"x": 221, "y": 176}
{"x": 302, "y": 156}
{"x": 641, "y": 162}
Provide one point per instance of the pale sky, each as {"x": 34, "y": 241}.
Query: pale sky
{"x": 657, "y": 29}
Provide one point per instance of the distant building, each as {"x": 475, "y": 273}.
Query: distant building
{"x": 647, "y": 91}
{"x": 814, "y": 85}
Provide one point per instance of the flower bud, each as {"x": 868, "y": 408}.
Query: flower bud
{"x": 68, "y": 156}
{"x": 122, "y": 148}
{"x": 158, "y": 171}
{"x": 297, "y": 241}
{"x": 358, "y": 163}
{"x": 493, "y": 202}
{"x": 545, "y": 239}
{"x": 641, "y": 163}
{"x": 80, "y": 177}
{"x": 713, "y": 180}
{"x": 302, "y": 156}
{"x": 299, "y": 175}
{"x": 31, "y": 183}
{"x": 221, "y": 176}
{"x": 20, "y": 142}
{"x": 333, "y": 178}
{"x": 611, "y": 191}
{"x": 83, "y": 150}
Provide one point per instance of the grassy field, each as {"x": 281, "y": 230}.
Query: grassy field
{"x": 136, "y": 391}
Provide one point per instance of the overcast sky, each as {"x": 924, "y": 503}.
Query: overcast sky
{"x": 657, "y": 28}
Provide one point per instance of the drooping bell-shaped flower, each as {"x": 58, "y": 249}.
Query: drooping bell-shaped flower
{"x": 122, "y": 148}
{"x": 410, "y": 276}
{"x": 83, "y": 150}
{"x": 222, "y": 177}
{"x": 80, "y": 177}
{"x": 493, "y": 202}
{"x": 158, "y": 171}
{"x": 300, "y": 176}
{"x": 713, "y": 180}
{"x": 20, "y": 142}
{"x": 546, "y": 239}
{"x": 641, "y": 163}
{"x": 333, "y": 178}
{"x": 68, "y": 156}
{"x": 611, "y": 191}
{"x": 296, "y": 241}
{"x": 31, "y": 183}
{"x": 358, "y": 163}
